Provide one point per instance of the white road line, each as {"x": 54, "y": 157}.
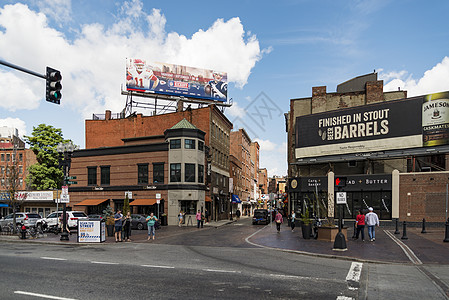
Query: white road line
{"x": 354, "y": 272}
{"x": 53, "y": 258}
{"x": 41, "y": 295}
{"x": 344, "y": 298}
{"x": 221, "y": 271}
{"x": 104, "y": 263}
{"x": 162, "y": 267}
{"x": 410, "y": 254}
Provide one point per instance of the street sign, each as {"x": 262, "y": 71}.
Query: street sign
{"x": 64, "y": 199}
{"x": 341, "y": 197}
{"x": 64, "y": 190}
{"x": 70, "y": 177}
{"x": 72, "y": 182}
{"x": 158, "y": 201}
{"x": 130, "y": 195}
{"x": 158, "y": 196}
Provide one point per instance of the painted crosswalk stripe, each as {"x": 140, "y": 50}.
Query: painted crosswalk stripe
{"x": 104, "y": 263}
{"x": 161, "y": 267}
{"x": 221, "y": 271}
{"x": 354, "y": 272}
{"x": 53, "y": 258}
{"x": 41, "y": 295}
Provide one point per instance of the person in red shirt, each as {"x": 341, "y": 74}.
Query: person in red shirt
{"x": 360, "y": 222}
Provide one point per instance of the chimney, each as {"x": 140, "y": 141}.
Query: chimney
{"x": 107, "y": 115}
{"x": 374, "y": 91}
{"x": 318, "y": 99}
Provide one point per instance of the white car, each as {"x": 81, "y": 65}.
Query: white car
{"x": 72, "y": 221}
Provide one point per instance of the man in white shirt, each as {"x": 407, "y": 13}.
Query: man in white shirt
{"x": 371, "y": 220}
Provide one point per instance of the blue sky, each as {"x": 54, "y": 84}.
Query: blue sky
{"x": 273, "y": 51}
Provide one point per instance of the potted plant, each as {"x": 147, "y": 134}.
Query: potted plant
{"x": 306, "y": 224}
{"x": 108, "y": 215}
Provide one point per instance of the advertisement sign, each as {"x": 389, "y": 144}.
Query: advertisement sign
{"x": 435, "y": 119}
{"x": 35, "y": 196}
{"x": 178, "y": 80}
{"x": 92, "y": 231}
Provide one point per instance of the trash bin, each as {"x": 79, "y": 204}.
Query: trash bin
{"x": 164, "y": 221}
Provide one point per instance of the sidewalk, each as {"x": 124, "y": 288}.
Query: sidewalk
{"x": 429, "y": 248}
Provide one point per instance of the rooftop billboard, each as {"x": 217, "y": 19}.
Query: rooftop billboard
{"x": 178, "y": 80}
{"x": 407, "y": 123}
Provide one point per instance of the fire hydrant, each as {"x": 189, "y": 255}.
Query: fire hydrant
{"x": 24, "y": 232}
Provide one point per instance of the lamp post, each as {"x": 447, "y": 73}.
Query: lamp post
{"x": 65, "y": 158}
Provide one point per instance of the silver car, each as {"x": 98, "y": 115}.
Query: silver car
{"x": 27, "y": 219}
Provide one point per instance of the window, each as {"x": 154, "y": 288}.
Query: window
{"x": 189, "y": 172}
{"x": 7, "y": 156}
{"x": 175, "y": 172}
{"x": 142, "y": 174}
{"x": 3, "y": 170}
{"x": 105, "y": 175}
{"x": 20, "y": 156}
{"x": 3, "y": 157}
{"x": 91, "y": 175}
{"x": 200, "y": 145}
{"x": 189, "y": 144}
{"x": 158, "y": 173}
{"x": 188, "y": 207}
{"x": 175, "y": 144}
{"x": 200, "y": 174}
{"x": 20, "y": 169}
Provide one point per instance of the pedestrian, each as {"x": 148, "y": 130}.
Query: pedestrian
{"x": 371, "y": 220}
{"x": 360, "y": 222}
{"x": 237, "y": 214}
{"x": 292, "y": 220}
{"x": 279, "y": 220}
{"x": 207, "y": 215}
{"x": 198, "y": 219}
{"x": 151, "y": 219}
{"x": 180, "y": 218}
{"x": 118, "y": 220}
{"x": 61, "y": 222}
{"x": 127, "y": 227}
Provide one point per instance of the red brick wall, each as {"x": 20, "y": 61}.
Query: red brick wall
{"x": 427, "y": 197}
{"x": 374, "y": 91}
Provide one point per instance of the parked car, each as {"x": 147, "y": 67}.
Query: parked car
{"x": 73, "y": 217}
{"x": 138, "y": 222}
{"x": 27, "y": 219}
{"x": 95, "y": 216}
{"x": 261, "y": 216}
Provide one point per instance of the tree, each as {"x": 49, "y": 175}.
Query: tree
{"x": 10, "y": 183}
{"x": 46, "y": 173}
{"x": 126, "y": 205}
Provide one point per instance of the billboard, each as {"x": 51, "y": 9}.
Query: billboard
{"x": 407, "y": 123}
{"x": 178, "y": 80}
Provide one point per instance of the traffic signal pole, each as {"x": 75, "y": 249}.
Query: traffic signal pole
{"x": 52, "y": 77}
{"x": 2, "y": 62}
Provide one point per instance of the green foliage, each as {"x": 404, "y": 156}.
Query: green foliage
{"x": 108, "y": 215}
{"x": 46, "y": 173}
{"x": 126, "y": 205}
{"x": 305, "y": 217}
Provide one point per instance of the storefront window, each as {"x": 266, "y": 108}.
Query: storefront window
{"x": 188, "y": 207}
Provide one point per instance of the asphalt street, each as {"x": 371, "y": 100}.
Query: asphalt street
{"x": 208, "y": 263}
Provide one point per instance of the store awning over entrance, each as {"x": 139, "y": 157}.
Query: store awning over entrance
{"x": 208, "y": 199}
{"x": 4, "y": 205}
{"x": 91, "y": 202}
{"x": 143, "y": 202}
{"x": 235, "y": 199}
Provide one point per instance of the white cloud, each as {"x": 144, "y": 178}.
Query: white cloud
{"x": 93, "y": 64}
{"x": 433, "y": 80}
{"x": 236, "y": 111}
{"x": 19, "y": 91}
{"x": 270, "y": 156}
{"x": 59, "y": 10}
{"x": 15, "y": 123}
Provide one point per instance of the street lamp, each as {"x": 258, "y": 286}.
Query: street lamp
{"x": 65, "y": 158}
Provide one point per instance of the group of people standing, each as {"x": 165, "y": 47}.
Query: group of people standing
{"x": 123, "y": 223}
{"x": 371, "y": 220}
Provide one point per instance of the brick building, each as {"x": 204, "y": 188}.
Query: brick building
{"x": 335, "y": 144}
{"x": 113, "y": 133}
{"x": 240, "y": 149}
{"x": 168, "y": 169}
{"x": 255, "y": 154}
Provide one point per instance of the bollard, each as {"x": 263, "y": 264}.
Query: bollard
{"x": 446, "y": 238}
{"x": 404, "y": 231}
{"x": 397, "y": 226}
{"x": 423, "y": 226}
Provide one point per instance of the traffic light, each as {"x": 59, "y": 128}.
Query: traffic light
{"x": 340, "y": 181}
{"x": 53, "y": 86}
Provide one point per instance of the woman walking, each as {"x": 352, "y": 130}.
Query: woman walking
{"x": 292, "y": 220}
{"x": 180, "y": 218}
{"x": 127, "y": 227}
{"x": 151, "y": 219}
{"x": 279, "y": 220}
{"x": 360, "y": 222}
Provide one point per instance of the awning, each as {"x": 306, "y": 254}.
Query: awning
{"x": 143, "y": 202}
{"x": 208, "y": 199}
{"x": 235, "y": 199}
{"x": 4, "y": 205}
{"x": 91, "y": 202}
